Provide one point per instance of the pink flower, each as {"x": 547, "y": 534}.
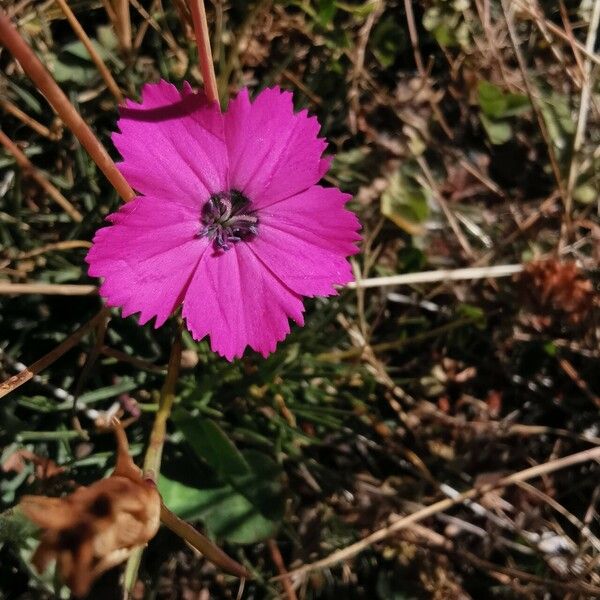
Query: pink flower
{"x": 230, "y": 223}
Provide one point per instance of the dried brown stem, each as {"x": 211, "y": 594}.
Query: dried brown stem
{"x": 278, "y": 560}
{"x": 123, "y": 24}
{"x": 15, "y": 111}
{"x": 11, "y": 39}
{"x": 39, "y": 178}
{"x": 204, "y": 53}
{"x": 66, "y": 245}
{"x": 96, "y": 58}
{"x": 24, "y": 376}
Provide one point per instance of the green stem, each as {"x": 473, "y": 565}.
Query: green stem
{"x": 153, "y": 457}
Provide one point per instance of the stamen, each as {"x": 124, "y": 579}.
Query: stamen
{"x": 227, "y": 218}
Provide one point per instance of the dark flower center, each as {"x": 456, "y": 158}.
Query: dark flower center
{"x": 228, "y": 218}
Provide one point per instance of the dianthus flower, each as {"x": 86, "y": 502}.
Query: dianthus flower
{"x": 230, "y": 221}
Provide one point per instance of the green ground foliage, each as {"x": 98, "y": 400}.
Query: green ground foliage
{"x": 460, "y": 148}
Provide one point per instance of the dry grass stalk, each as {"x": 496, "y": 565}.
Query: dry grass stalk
{"x": 49, "y": 289}
{"x": 39, "y": 178}
{"x": 16, "y": 112}
{"x": 123, "y": 23}
{"x": 65, "y": 245}
{"x": 204, "y": 53}
{"x": 96, "y": 58}
{"x": 24, "y": 376}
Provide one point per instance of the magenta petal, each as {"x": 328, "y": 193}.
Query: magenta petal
{"x": 173, "y": 145}
{"x": 273, "y": 153}
{"x": 304, "y": 240}
{"x": 147, "y": 257}
{"x": 237, "y": 302}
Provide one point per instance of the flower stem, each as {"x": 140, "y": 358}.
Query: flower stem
{"x": 204, "y": 53}
{"x": 153, "y": 456}
{"x": 11, "y": 39}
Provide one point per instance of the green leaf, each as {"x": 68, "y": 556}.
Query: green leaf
{"x": 243, "y": 512}
{"x": 15, "y": 527}
{"x": 585, "y": 194}
{"x": 497, "y": 104}
{"x": 559, "y": 120}
{"x": 499, "y": 132}
{"x": 211, "y": 445}
{"x": 326, "y": 11}
{"x": 387, "y": 41}
{"x": 405, "y": 202}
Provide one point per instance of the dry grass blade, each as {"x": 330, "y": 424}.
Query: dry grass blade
{"x": 441, "y": 275}
{"x": 96, "y": 58}
{"x": 442, "y": 505}
{"x": 39, "y": 178}
{"x": 66, "y": 245}
{"x": 49, "y": 289}
{"x": 10, "y": 39}
{"x": 16, "y": 112}
{"x": 123, "y": 24}
{"x": 202, "y": 544}
{"x": 24, "y": 376}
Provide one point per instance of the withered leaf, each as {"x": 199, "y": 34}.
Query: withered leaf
{"x": 96, "y": 527}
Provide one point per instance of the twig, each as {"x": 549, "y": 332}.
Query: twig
{"x": 96, "y": 58}
{"x": 49, "y": 289}
{"x": 39, "y": 365}
{"x": 278, "y": 560}
{"x": 443, "y": 505}
{"x": 204, "y": 53}
{"x": 443, "y": 275}
{"x": 39, "y": 178}
{"x": 11, "y": 39}
{"x": 15, "y": 111}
